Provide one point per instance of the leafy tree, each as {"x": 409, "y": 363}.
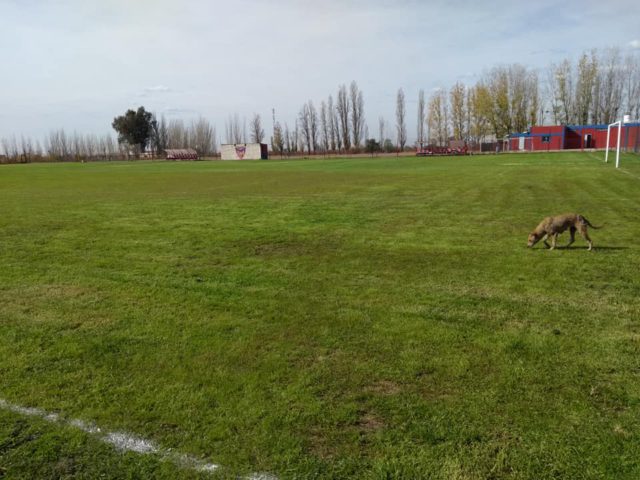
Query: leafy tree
{"x": 458, "y": 100}
{"x": 388, "y": 146}
{"x": 135, "y": 128}
{"x": 372, "y": 146}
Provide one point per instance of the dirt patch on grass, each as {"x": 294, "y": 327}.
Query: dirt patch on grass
{"x": 291, "y": 246}
{"x": 385, "y": 387}
{"x": 370, "y": 422}
{"x": 321, "y": 446}
{"x": 330, "y": 444}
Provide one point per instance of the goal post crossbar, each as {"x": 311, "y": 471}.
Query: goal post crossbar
{"x": 606, "y": 155}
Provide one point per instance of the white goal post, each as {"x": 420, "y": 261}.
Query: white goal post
{"x": 606, "y": 155}
{"x": 620, "y": 124}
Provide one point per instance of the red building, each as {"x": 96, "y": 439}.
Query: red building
{"x": 575, "y": 137}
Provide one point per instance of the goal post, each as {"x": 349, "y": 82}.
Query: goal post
{"x": 606, "y": 155}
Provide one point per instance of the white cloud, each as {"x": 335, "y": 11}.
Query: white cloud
{"x": 635, "y": 44}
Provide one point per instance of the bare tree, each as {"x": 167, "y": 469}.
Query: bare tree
{"x": 256, "y": 130}
{"x": 533, "y": 98}
{"x": 632, "y": 85}
{"x": 381, "y": 125}
{"x": 309, "y": 126}
{"x": 421, "y": 118}
{"x": 110, "y": 146}
{"x": 343, "y": 108}
{"x": 586, "y": 79}
{"x": 54, "y": 147}
{"x": 91, "y": 146}
{"x": 38, "y": 150}
{"x": 401, "y": 126}
{"x": 244, "y": 130}
{"x": 202, "y": 137}
{"x": 338, "y": 134}
{"x": 305, "y": 125}
{"x": 278, "y": 140}
{"x": 163, "y": 135}
{"x": 324, "y": 127}
{"x": 287, "y": 139}
{"x": 177, "y": 134}
{"x": 521, "y": 97}
{"x": 102, "y": 148}
{"x": 610, "y": 82}
{"x": 26, "y": 149}
{"x": 233, "y": 130}
{"x": 77, "y": 146}
{"x": 313, "y": 119}
{"x": 333, "y": 125}
{"x": 295, "y": 137}
{"x": 562, "y": 88}
{"x": 11, "y": 149}
{"x": 4, "y": 143}
{"x": 58, "y": 145}
{"x": 14, "y": 149}
{"x": 299, "y": 137}
{"x": 357, "y": 113}
{"x": 160, "y": 135}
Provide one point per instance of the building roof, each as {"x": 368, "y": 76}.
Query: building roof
{"x": 181, "y": 153}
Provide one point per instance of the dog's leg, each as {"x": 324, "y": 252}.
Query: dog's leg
{"x": 572, "y": 238}
{"x": 583, "y": 232}
{"x": 554, "y": 239}
{"x": 544, "y": 239}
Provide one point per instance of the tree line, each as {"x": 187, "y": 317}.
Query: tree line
{"x": 60, "y": 146}
{"x": 598, "y": 88}
{"x": 337, "y": 126}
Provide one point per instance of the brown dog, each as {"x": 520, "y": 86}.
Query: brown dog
{"x": 551, "y": 227}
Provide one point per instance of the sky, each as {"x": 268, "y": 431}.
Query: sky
{"x": 77, "y": 64}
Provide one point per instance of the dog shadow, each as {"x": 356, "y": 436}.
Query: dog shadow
{"x": 578, "y": 248}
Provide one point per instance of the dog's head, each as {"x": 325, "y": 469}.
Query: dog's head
{"x": 533, "y": 239}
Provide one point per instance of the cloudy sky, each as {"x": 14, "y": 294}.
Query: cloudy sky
{"x": 77, "y": 64}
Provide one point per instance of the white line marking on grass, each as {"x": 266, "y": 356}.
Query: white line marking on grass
{"x": 129, "y": 443}
{"x": 125, "y": 442}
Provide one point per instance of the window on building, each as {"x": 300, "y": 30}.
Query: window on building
{"x": 546, "y": 138}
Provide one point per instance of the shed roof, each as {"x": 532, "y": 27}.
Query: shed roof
{"x": 181, "y": 153}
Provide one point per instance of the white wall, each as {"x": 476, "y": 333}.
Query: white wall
{"x": 234, "y": 151}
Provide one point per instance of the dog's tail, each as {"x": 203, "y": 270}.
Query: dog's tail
{"x": 587, "y": 222}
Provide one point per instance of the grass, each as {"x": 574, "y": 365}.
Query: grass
{"x": 346, "y": 318}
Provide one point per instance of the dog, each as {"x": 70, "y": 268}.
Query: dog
{"x": 551, "y": 227}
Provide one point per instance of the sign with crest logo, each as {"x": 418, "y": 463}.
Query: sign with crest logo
{"x": 240, "y": 151}
{"x": 244, "y": 151}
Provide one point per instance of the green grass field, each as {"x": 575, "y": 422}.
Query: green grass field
{"x": 349, "y": 318}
